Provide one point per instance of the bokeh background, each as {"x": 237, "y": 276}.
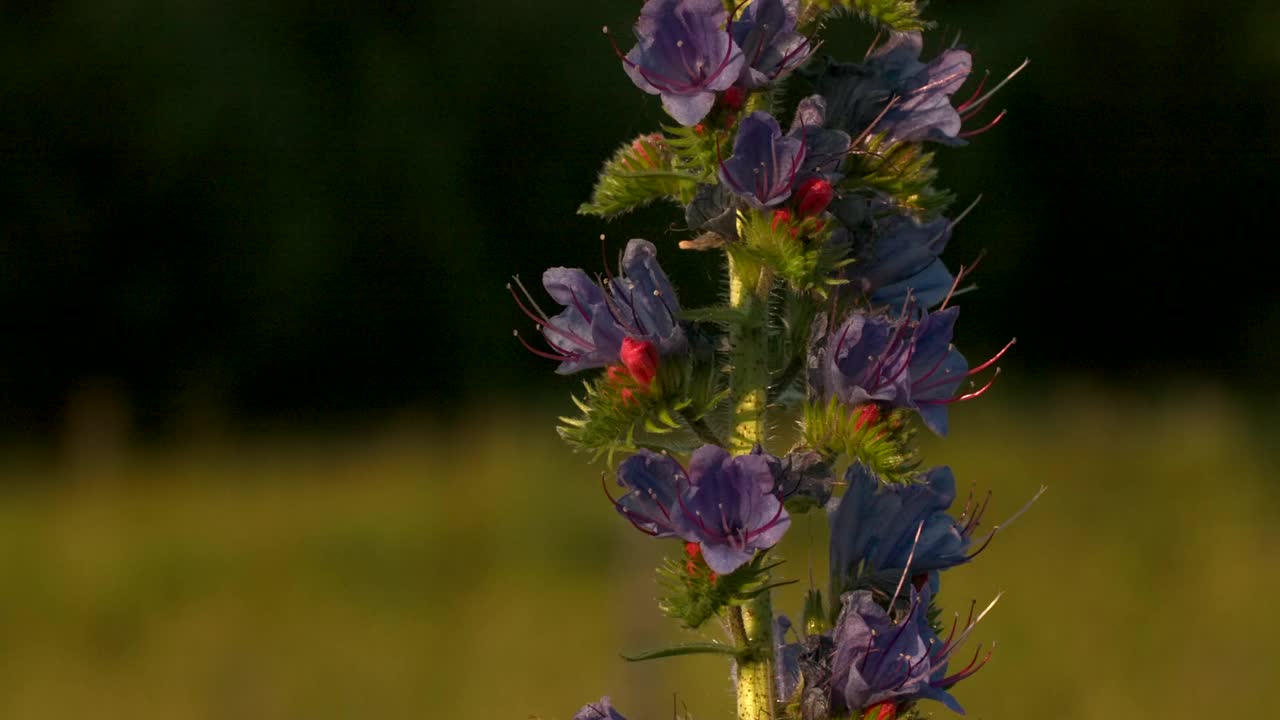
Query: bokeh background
{"x": 270, "y": 451}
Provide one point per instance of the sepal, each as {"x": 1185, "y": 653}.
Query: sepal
{"x": 694, "y": 594}
{"x": 903, "y": 171}
{"x": 895, "y": 15}
{"x": 881, "y": 440}
{"x": 672, "y": 413}
{"x": 640, "y": 172}
{"x": 797, "y": 250}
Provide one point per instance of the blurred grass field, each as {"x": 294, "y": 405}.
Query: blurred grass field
{"x": 478, "y": 572}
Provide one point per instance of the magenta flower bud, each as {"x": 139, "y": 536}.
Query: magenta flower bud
{"x": 813, "y": 197}
{"x": 640, "y": 357}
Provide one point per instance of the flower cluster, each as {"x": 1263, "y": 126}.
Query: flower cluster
{"x": 839, "y": 304}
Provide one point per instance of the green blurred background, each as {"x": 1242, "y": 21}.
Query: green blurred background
{"x": 271, "y": 452}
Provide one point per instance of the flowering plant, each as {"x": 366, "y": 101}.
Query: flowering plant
{"x": 839, "y": 311}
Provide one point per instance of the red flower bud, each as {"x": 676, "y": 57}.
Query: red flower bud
{"x": 641, "y": 359}
{"x": 734, "y": 98}
{"x": 780, "y": 217}
{"x": 883, "y": 711}
{"x": 814, "y": 195}
{"x": 868, "y": 414}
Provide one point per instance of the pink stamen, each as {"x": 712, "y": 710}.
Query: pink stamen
{"x": 973, "y": 667}
{"x": 993, "y": 359}
{"x": 984, "y": 128}
{"x": 777, "y": 517}
{"x": 541, "y": 353}
{"x": 981, "y": 84}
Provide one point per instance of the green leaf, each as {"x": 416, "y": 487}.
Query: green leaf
{"x": 693, "y": 594}
{"x": 721, "y": 314}
{"x": 881, "y": 441}
{"x": 618, "y": 416}
{"x": 902, "y": 170}
{"x": 704, "y": 648}
{"x": 639, "y": 173}
{"x": 796, "y": 250}
{"x": 895, "y": 15}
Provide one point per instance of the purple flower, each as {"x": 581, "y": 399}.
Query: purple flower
{"x": 602, "y": 710}
{"x": 726, "y": 504}
{"x": 903, "y": 362}
{"x": 639, "y": 304}
{"x": 824, "y": 150}
{"x": 766, "y": 32}
{"x": 877, "y": 660}
{"x": 652, "y": 503}
{"x": 685, "y": 53}
{"x": 882, "y": 533}
{"x": 894, "y": 93}
{"x": 765, "y": 163}
{"x": 900, "y": 265}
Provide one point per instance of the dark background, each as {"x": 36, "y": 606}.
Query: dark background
{"x": 216, "y": 211}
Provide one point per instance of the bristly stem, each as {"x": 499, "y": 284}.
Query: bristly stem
{"x": 749, "y": 288}
{"x": 751, "y": 624}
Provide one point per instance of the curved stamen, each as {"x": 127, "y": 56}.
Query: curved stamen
{"x": 981, "y": 84}
{"x": 777, "y": 517}
{"x": 969, "y": 669}
{"x": 916, "y": 382}
{"x": 628, "y": 514}
{"x": 543, "y": 353}
{"x": 994, "y": 358}
{"x": 697, "y": 516}
{"x": 967, "y": 396}
{"x": 984, "y": 128}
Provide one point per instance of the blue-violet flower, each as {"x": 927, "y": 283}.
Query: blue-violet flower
{"x": 902, "y": 362}
{"x": 896, "y": 94}
{"x": 765, "y": 163}
{"x": 879, "y": 661}
{"x": 639, "y": 304}
{"x": 881, "y": 533}
{"x": 726, "y": 504}
{"x": 686, "y": 54}
{"x": 766, "y": 33}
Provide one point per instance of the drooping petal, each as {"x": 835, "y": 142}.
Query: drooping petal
{"x": 765, "y": 163}
{"x": 652, "y": 503}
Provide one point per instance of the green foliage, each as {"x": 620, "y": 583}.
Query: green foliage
{"x": 902, "y": 170}
{"x": 694, "y": 594}
{"x": 697, "y": 150}
{"x": 640, "y": 172}
{"x": 796, "y": 250}
{"x": 704, "y": 648}
{"x": 815, "y": 616}
{"x": 880, "y": 440}
{"x": 896, "y": 15}
{"x": 618, "y": 416}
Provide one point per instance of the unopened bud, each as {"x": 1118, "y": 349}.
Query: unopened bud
{"x": 868, "y": 414}
{"x": 780, "y": 217}
{"x": 641, "y": 359}
{"x": 734, "y": 98}
{"x": 883, "y": 711}
{"x": 814, "y": 195}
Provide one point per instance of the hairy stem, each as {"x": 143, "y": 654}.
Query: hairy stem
{"x": 749, "y": 287}
{"x": 751, "y": 624}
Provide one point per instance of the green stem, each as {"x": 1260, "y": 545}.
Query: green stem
{"x": 751, "y": 624}
{"x": 749, "y": 287}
